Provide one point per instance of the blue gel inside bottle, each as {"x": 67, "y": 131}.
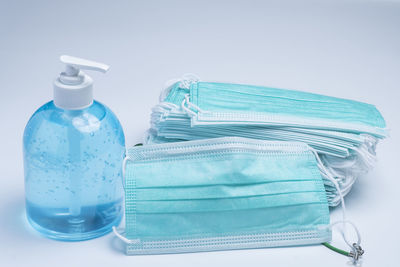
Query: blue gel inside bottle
{"x": 73, "y": 167}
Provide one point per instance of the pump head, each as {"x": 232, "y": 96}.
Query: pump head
{"x": 73, "y": 89}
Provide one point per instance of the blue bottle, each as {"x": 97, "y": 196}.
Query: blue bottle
{"x": 73, "y": 153}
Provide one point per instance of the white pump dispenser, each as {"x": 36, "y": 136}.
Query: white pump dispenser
{"x": 73, "y": 89}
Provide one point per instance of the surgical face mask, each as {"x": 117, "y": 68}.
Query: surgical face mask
{"x": 223, "y": 193}
{"x": 211, "y": 103}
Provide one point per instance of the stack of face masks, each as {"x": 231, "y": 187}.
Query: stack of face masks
{"x": 343, "y": 132}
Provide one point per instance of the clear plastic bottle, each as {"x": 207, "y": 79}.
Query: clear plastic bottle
{"x": 73, "y": 163}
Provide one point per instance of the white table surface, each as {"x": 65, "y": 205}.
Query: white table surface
{"x": 347, "y": 49}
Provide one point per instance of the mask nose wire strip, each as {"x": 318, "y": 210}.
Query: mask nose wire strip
{"x": 355, "y": 252}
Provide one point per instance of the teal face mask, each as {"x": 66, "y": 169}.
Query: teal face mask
{"x": 246, "y": 104}
{"x": 223, "y": 193}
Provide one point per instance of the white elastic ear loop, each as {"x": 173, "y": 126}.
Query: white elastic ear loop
{"x": 187, "y": 79}
{"x": 184, "y": 83}
{"x": 188, "y": 110}
{"x": 191, "y": 104}
{"x": 123, "y": 170}
{"x": 120, "y": 235}
{"x": 342, "y": 163}
{"x": 344, "y": 221}
{"x": 354, "y": 227}
{"x": 163, "y": 107}
{"x": 167, "y": 88}
{"x": 368, "y": 158}
{"x": 123, "y": 238}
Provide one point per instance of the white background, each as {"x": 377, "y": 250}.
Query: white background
{"x": 347, "y": 49}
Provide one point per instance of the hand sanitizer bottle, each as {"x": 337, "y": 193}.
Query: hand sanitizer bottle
{"x": 73, "y": 153}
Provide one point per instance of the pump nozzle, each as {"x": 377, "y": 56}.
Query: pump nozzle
{"x": 75, "y": 63}
{"x": 73, "y": 89}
